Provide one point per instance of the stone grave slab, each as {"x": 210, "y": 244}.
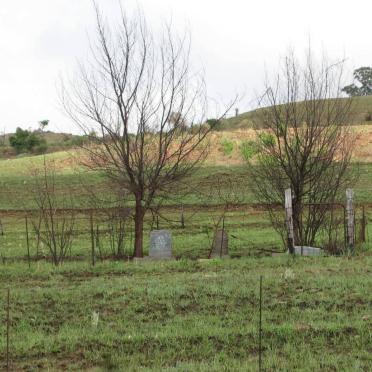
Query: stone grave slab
{"x": 160, "y": 244}
{"x": 307, "y": 251}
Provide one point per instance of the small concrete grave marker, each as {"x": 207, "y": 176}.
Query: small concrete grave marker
{"x": 160, "y": 244}
{"x": 307, "y": 251}
{"x": 220, "y": 244}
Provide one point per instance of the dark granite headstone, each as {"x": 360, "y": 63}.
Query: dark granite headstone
{"x": 160, "y": 244}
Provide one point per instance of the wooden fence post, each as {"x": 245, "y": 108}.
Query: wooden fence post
{"x": 182, "y": 218}
{"x": 222, "y": 235}
{"x": 289, "y": 220}
{"x": 350, "y": 220}
{"x": 363, "y": 225}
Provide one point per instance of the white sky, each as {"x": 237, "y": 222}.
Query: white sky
{"x": 235, "y": 42}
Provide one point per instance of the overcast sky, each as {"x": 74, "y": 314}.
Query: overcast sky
{"x": 235, "y": 42}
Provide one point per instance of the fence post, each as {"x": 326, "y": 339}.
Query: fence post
{"x": 28, "y": 243}
{"x": 7, "y": 331}
{"x": 182, "y": 218}
{"x": 92, "y": 237}
{"x": 364, "y": 224}
{"x": 350, "y": 220}
{"x": 289, "y": 220}
{"x": 97, "y": 242}
{"x": 260, "y": 331}
{"x": 222, "y": 235}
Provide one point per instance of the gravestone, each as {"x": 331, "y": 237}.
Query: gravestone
{"x": 307, "y": 251}
{"x": 160, "y": 244}
{"x": 220, "y": 244}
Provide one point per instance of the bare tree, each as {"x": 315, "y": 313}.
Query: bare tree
{"x": 303, "y": 142}
{"x": 52, "y": 227}
{"x": 125, "y": 99}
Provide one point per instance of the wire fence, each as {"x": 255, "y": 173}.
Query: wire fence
{"x": 108, "y": 233}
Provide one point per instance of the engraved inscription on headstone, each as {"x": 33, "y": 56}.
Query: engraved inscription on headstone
{"x": 160, "y": 244}
{"x": 220, "y": 244}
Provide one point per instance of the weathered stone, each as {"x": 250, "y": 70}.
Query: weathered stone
{"x": 307, "y": 251}
{"x": 160, "y": 244}
{"x": 220, "y": 244}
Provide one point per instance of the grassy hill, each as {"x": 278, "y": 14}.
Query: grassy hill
{"x": 361, "y": 113}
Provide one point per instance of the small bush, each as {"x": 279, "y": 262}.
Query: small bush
{"x": 214, "y": 124}
{"x": 266, "y": 139}
{"x": 196, "y": 128}
{"x": 27, "y": 141}
{"x": 76, "y": 141}
{"x": 248, "y": 149}
{"x": 227, "y": 146}
{"x": 368, "y": 116}
{"x": 41, "y": 148}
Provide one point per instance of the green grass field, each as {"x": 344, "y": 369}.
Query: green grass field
{"x": 188, "y": 314}
{"x": 191, "y": 316}
{"x": 15, "y": 182}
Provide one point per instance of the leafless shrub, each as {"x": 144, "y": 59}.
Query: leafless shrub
{"x": 54, "y": 229}
{"x": 304, "y": 142}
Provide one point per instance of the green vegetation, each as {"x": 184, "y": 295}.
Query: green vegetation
{"x": 227, "y": 146}
{"x": 26, "y": 141}
{"x": 251, "y": 235}
{"x": 15, "y": 177}
{"x": 50, "y": 142}
{"x": 360, "y": 108}
{"x": 363, "y": 76}
{"x": 248, "y": 149}
{"x": 190, "y": 316}
{"x": 214, "y": 123}
{"x": 186, "y": 314}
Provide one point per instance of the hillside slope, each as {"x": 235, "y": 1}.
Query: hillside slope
{"x": 361, "y": 113}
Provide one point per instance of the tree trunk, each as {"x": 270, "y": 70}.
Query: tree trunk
{"x": 297, "y": 228}
{"x": 138, "y": 228}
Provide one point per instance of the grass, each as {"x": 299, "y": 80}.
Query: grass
{"x": 227, "y": 146}
{"x": 191, "y": 316}
{"x": 250, "y": 235}
{"x": 360, "y": 113}
{"x": 248, "y": 149}
{"x": 184, "y": 314}
{"x": 15, "y": 183}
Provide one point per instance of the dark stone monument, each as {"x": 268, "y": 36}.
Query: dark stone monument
{"x": 160, "y": 244}
{"x": 220, "y": 244}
